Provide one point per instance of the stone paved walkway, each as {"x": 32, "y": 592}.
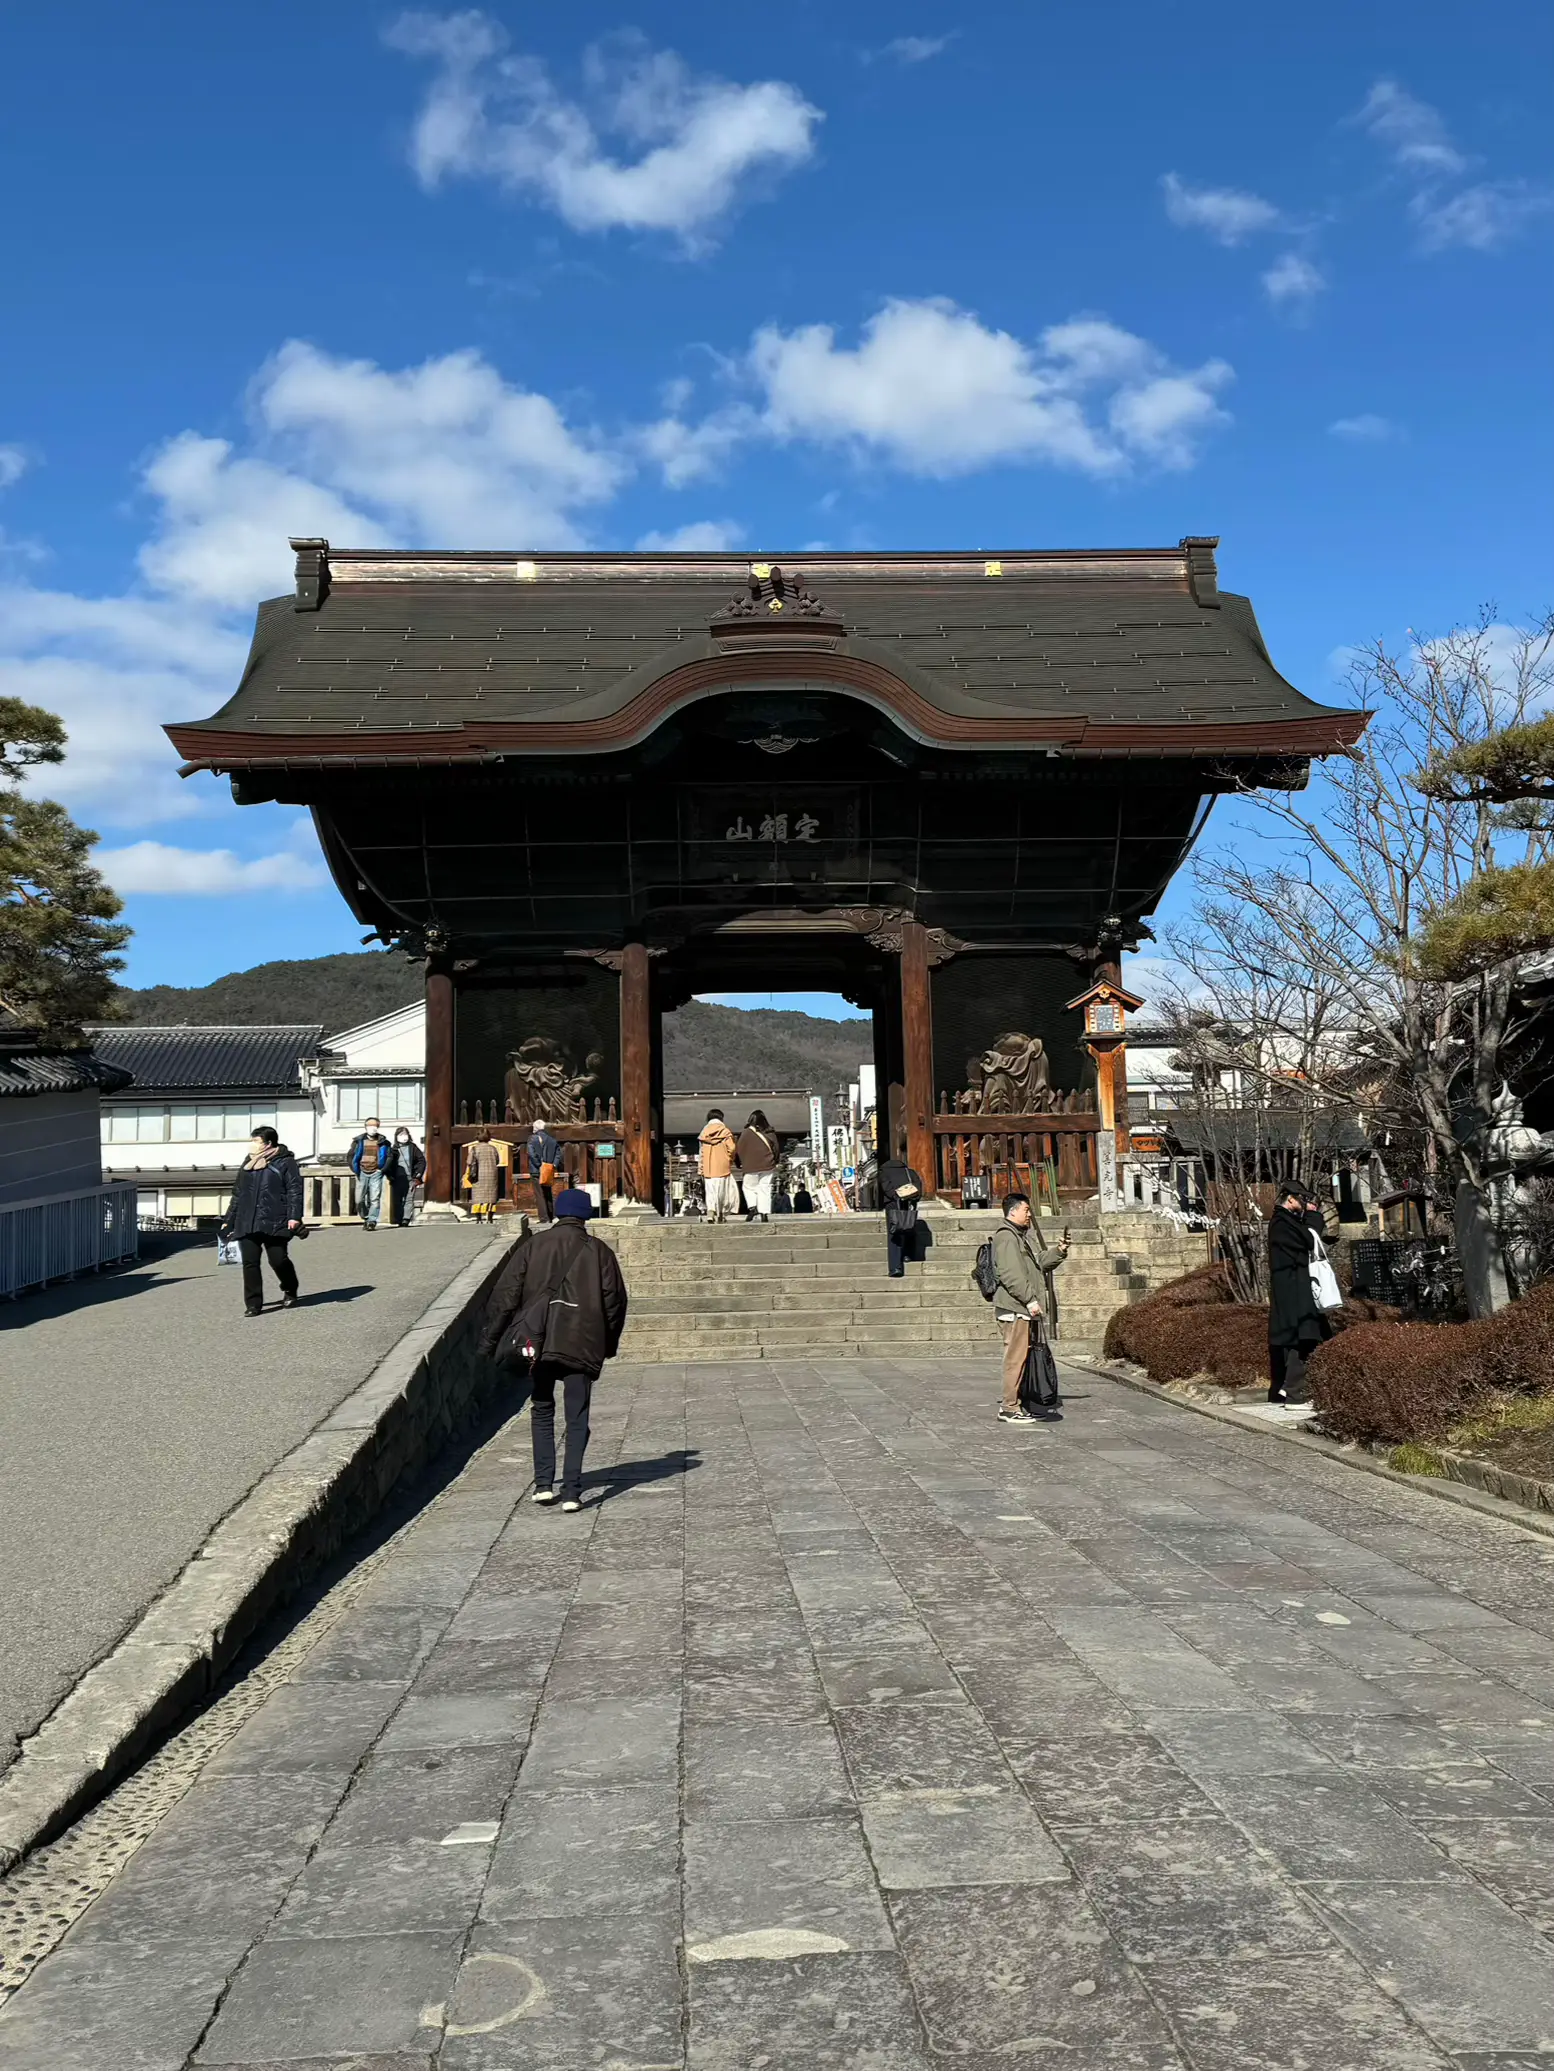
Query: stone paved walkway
{"x": 137, "y": 1408}
{"x": 849, "y": 1730}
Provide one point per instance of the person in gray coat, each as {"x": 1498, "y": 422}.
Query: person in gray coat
{"x": 1022, "y": 1263}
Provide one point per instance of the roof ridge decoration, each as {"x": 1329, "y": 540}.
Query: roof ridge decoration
{"x": 772, "y": 602}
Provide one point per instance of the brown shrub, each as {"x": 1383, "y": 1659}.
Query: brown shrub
{"x": 1406, "y": 1382}
{"x": 1194, "y": 1325}
{"x": 1228, "y": 1340}
{"x": 1396, "y": 1382}
{"x": 1518, "y": 1348}
{"x": 1194, "y": 1290}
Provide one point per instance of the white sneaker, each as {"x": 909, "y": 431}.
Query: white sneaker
{"x": 571, "y": 1503}
{"x": 543, "y": 1496}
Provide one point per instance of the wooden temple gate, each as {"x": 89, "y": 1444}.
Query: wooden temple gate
{"x": 585, "y": 788}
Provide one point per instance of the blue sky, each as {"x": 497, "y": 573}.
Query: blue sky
{"x": 1017, "y": 275}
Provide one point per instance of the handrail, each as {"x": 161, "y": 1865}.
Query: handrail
{"x": 55, "y": 1236}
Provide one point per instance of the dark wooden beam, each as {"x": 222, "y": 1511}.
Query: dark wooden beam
{"x": 439, "y": 1082}
{"x": 637, "y": 1070}
{"x": 917, "y": 1046}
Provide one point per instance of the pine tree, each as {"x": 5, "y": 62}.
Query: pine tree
{"x": 58, "y": 928}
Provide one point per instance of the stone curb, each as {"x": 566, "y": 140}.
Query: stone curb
{"x": 1520, "y": 1489}
{"x": 431, "y": 1383}
{"x": 1487, "y": 1498}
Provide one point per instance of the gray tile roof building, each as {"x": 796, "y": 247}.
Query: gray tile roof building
{"x": 263, "y": 1060}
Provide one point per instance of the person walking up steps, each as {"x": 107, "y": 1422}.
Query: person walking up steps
{"x": 544, "y": 1157}
{"x": 1022, "y": 1263}
{"x": 758, "y": 1153}
{"x": 264, "y": 1214}
{"x": 718, "y": 1151}
{"x": 559, "y": 1308}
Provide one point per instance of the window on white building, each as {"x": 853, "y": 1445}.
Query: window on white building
{"x": 400, "y": 1100}
{"x": 186, "y": 1123}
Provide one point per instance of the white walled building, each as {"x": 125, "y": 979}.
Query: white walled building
{"x": 180, "y": 1128}
{"x": 378, "y": 1068}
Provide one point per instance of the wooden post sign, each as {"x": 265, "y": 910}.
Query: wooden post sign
{"x": 1106, "y": 1009}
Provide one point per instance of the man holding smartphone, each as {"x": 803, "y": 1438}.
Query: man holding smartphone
{"x": 1022, "y": 1263}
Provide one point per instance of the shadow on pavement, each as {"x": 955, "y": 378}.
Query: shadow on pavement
{"x": 334, "y": 1294}
{"x": 636, "y": 1474}
{"x": 87, "y": 1289}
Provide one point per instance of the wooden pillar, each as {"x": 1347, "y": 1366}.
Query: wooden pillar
{"x": 637, "y": 1071}
{"x": 917, "y": 1048}
{"x": 439, "y": 1082}
{"x": 1108, "y": 971}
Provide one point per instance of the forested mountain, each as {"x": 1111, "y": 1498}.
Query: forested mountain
{"x": 709, "y": 1049}
{"x": 706, "y": 1048}
{"x": 338, "y": 991}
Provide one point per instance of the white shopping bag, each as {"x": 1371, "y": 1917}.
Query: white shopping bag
{"x": 228, "y": 1252}
{"x": 1324, "y": 1281}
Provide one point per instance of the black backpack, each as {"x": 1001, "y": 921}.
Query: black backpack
{"x": 984, "y": 1274}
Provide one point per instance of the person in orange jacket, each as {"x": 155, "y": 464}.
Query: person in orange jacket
{"x": 719, "y": 1148}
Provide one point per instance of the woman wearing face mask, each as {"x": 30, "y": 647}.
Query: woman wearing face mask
{"x": 264, "y": 1214}
{"x": 406, "y": 1169}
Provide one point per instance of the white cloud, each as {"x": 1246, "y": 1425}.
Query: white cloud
{"x": 914, "y": 50}
{"x": 13, "y": 465}
{"x": 1367, "y": 428}
{"x": 1292, "y": 282}
{"x": 1411, "y": 130}
{"x": 449, "y": 453}
{"x": 1479, "y": 218}
{"x": 153, "y": 866}
{"x": 692, "y": 143}
{"x": 1227, "y": 214}
{"x": 704, "y": 536}
{"x": 933, "y": 390}
{"x": 444, "y": 454}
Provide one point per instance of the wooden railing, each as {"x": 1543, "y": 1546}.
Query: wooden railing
{"x": 584, "y": 1157}
{"x": 1046, "y": 1156}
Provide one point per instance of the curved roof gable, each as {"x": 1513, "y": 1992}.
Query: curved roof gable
{"x": 457, "y": 657}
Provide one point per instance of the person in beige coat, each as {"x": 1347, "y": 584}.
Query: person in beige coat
{"x": 483, "y": 1176}
{"x": 718, "y": 1151}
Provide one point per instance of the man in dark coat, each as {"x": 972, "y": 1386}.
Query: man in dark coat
{"x": 900, "y": 1191}
{"x": 1296, "y": 1326}
{"x": 558, "y": 1308}
{"x": 544, "y": 1157}
{"x": 264, "y": 1212}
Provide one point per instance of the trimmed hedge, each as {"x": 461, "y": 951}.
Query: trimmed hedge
{"x": 1192, "y": 1326}
{"x": 1195, "y": 1326}
{"x": 1400, "y": 1383}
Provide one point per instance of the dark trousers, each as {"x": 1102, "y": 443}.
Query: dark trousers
{"x": 544, "y": 1196}
{"x": 1287, "y": 1371}
{"x": 901, "y": 1245}
{"x": 275, "y": 1250}
{"x": 576, "y": 1392}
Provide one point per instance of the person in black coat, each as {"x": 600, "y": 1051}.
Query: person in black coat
{"x": 900, "y": 1191}
{"x": 264, "y": 1213}
{"x": 559, "y": 1308}
{"x": 404, "y": 1172}
{"x": 1296, "y": 1326}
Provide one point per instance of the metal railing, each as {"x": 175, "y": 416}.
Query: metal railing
{"x": 57, "y": 1237}
{"x": 1174, "y": 1187}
